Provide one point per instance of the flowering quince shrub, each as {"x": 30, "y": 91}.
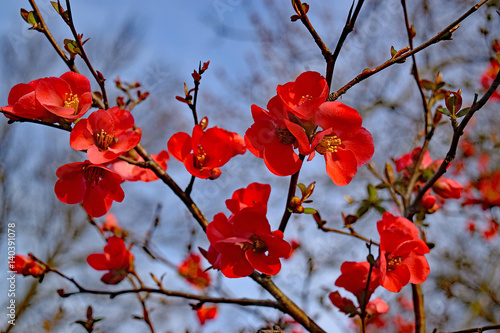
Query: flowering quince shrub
{"x": 302, "y": 119}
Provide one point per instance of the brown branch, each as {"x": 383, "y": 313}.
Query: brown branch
{"x": 472, "y": 330}
{"x": 287, "y": 304}
{"x": 348, "y": 28}
{"x": 405, "y": 53}
{"x": 350, "y": 233}
{"x": 99, "y": 79}
{"x": 291, "y": 192}
{"x": 419, "y": 311}
{"x": 69, "y": 62}
{"x": 476, "y": 106}
{"x": 327, "y": 54}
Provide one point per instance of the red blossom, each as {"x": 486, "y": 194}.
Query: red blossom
{"x": 105, "y": 135}
{"x": 401, "y": 259}
{"x": 354, "y": 277}
{"x": 205, "y": 152}
{"x": 27, "y": 266}
{"x": 134, "y": 173}
{"x": 116, "y": 259}
{"x": 111, "y": 224}
{"x": 22, "y": 103}
{"x": 304, "y": 96}
{"x": 95, "y": 185}
{"x": 273, "y": 137}
{"x": 190, "y": 270}
{"x": 447, "y": 188}
{"x": 488, "y": 76}
{"x": 206, "y": 313}
{"x": 244, "y": 242}
{"x": 344, "y": 143}
{"x": 488, "y": 188}
{"x": 492, "y": 231}
{"x": 254, "y": 195}
{"x": 67, "y": 96}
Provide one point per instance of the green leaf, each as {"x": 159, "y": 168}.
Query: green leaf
{"x": 32, "y": 19}
{"x": 56, "y": 6}
{"x": 303, "y": 189}
{"x": 380, "y": 209}
{"x": 382, "y": 186}
{"x": 428, "y": 85}
{"x": 462, "y": 112}
{"x": 362, "y": 210}
{"x": 393, "y": 51}
{"x": 309, "y": 210}
{"x": 371, "y": 259}
{"x": 372, "y": 193}
{"x": 444, "y": 111}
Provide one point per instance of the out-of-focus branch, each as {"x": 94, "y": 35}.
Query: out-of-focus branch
{"x": 351, "y": 232}
{"x": 476, "y": 106}
{"x": 405, "y": 53}
{"x": 473, "y": 330}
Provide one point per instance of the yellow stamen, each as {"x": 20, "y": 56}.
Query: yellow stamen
{"x": 103, "y": 140}
{"x": 72, "y": 102}
{"x": 285, "y": 136}
{"x": 329, "y": 143}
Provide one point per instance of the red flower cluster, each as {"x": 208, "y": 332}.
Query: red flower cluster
{"x": 445, "y": 188}
{"x": 51, "y": 99}
{"x": 291, "y": 122}
{"x": 205, "y": 152}
{"x": 244, "y": 241}
{"x": 489, "y": 75}
{"x": 206, "y": 313}
{"x": 94, "y": 184}
{"x": 354, "y": 279}
{"x": 401, "y": 259}
{"x": 27, "y": 266}
{"x": 487, "y": 191}
{"x": 116, "y": 259}
{"x": 105, "y": 135}
{"x": 191, "y": 270}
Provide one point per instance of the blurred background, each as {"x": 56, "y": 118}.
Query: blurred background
{"x": 252, "y": 47}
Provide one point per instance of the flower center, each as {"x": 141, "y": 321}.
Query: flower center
{"x": 285, "y": 136}
{"x": 304, "y": 99}
{"x": 259, "y": 245}
{"x": 393, "y": 263}
{"x": 103, "y": 140}
{"x": 199, "y": 159}
{"x": 92, "y": 175}
{"x": 71, "y": 101}
{"x": 329, "y": 143}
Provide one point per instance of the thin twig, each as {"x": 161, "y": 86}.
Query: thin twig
{"x": 99, "y": 79}
{"x": 291, "y": 192}
{"x": 473, "y": 330}
{"x": 405, "y": 53}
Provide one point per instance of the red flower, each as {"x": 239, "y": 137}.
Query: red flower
{"x": 190, "y": 270}
{"x": 254, "y": 195}
{"x": 401, "y": 260}
{"x": 27, "y": 266}
{"x": 206, "y": 151}
{"x": 116, "y": 259}
{"x": 447, "y": 188}
{"x": 111, "y": 224}
{"x": 354, "y": 278}
{"x": 22, "y": 103}
{"x": 105, "y": 135}
{"x": 134, "y": 173}
{"x": 95, "y": 185}
{"x": 273, "y": 138}
{"x": 489, "y": 191}
{"x": 344, "y": 143}
{"x": 67, "y": 96}
{"x": 408, "y": 160}
{"x": 244, "y": 243}
{"x": 492, "y": 231}
{"x": 206, "y": 313}
{"x": 304, "y": 96}
{"x": 488, "y": 76}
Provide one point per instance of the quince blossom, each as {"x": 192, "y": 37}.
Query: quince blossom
{"x": 116, "y": 259}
